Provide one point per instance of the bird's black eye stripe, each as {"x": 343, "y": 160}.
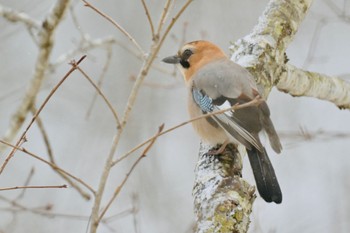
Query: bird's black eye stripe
{"x": 186, "y": 54}
{"x": 184, "y": 58}
{"x": 185, "y": 64}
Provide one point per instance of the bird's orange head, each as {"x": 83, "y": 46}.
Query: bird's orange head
{"x": 194, "y": 55}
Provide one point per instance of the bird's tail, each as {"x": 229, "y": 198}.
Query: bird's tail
{"x": 265, "y": 177}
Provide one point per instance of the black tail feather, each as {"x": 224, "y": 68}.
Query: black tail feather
{"x": 265, "y": 177}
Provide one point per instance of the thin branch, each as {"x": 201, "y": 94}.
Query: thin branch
{"x": 15, "y": 16}
{"x": 144, "y": 70}
{"x": 306, "y": 135}
{"x": 314, "y": 42}
{"x": 253, "y": 102}
{"x": 54, "y": 166}
{"x": 150, "y": 84}
{"x": 19, "y": 207}
{"x": 22, "y": 138}
{"x": 12, "y": 92}
{"x": 120, "y": 28}
{"x": 149, "y": 18}
{"x": 34, "y": 187}
{"x": 163, "y": 17}
{"x": 86, "y": 44}
{"x": 135, "y": 209}
{"x": 155, "y": 47}
{"x": 46, "y": 39}
{"x": 118, "y": 215}
{"x": 174, "y": 19}
{"x": 26, "y": 183}
{"x": 114, "y": 112}
{"x": 119, "y": 188}
{"x": 75, "y": 21}
{"x": 47, "y": 143}
{"x": 334, "y": 8}
{"x": 100, "y": 80}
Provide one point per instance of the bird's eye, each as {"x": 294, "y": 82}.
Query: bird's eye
{"x": 186, "y": 54}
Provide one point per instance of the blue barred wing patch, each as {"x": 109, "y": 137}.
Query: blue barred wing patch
{"x": 202, "y": 100}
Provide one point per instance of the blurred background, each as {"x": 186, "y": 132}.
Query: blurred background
{"x": 313, "y": 169}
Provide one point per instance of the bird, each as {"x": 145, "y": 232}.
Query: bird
{"x": 215, "y": 82}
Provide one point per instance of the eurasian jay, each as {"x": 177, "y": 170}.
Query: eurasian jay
{"x": 215, "y": 82}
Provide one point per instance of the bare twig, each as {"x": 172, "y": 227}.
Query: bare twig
{"x": 11, "y": 92}
{"x": 155, "y": 47}
{"x": 47, "y": 143}
{"x": 119, "y": 215}
{"x": 84, "y": 45}
{"x": 100, "y": 80}
{"x": 26, "y": 183}
{"x": 163, "y": 18}
{"x": 158, "y": 85}
{"x": 135, "y": 209}
{"x": 22, "y": 138}
{"x": 144, "y": 71}
{"x": 174, "y": 19}
{"x": 114, "y": 112}
{"x": 75, "y": 21}
{"x": 54, "y": 166}
{"x": 311, "y": 135}
{"x": 120, "y": 28}
{"x": 149, "y": 18}
{"x": 46, "y": 37}
{"x": 34, "y": 187}
{"x": 314, "y": 42}
{"x": 42, "y": 212}
{"x": 119, "y": 188}
{"x": 253, "y": 102}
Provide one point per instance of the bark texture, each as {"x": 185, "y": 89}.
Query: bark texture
{"x": 263, "y": 53}
{"x": 222, "y": 199}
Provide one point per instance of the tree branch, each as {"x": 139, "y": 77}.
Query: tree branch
{"x": 154, "y": 49}
{"x": 52, "y": 159}
{"x": 34, "y": 187}
{"x": 23, "y": 136}
{"x": 52, "y": 165}
{"x": 15, "y": 16}
{"x": 120, "y": 28}
{"x": 222, "y": 199}
{"x": 298, "y": 82}
{"x": 46, "y": 37}
{"x": 262, "y": 52}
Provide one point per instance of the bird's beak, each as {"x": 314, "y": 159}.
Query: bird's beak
{"x": 172, "y": 59}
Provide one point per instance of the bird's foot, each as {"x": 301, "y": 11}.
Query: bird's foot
{"x": 220, "y": 150}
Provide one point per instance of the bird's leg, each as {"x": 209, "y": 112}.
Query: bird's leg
{"x": 220, "y": 150}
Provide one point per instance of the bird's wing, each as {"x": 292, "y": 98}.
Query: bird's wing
{"x": 224, "y": 83}
{"x": 227, "y": 120}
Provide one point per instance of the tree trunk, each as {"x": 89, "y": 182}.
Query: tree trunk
{"x": 222, "y": 199}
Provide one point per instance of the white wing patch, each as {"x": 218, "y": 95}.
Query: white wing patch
{"x": 225, "y": 105}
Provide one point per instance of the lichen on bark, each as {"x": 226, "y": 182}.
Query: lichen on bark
{"x": 223, "y": 200}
